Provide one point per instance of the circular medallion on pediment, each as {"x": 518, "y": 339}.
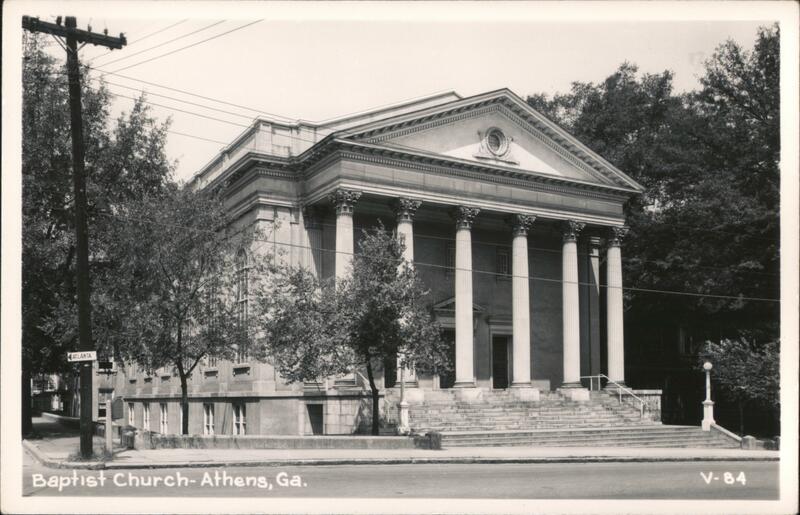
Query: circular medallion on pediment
{"x": 496, "y": 142}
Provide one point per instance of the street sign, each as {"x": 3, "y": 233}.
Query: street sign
{"x": 88, "y": 355}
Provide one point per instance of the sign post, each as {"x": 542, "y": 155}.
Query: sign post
{"x": 109, "y": 428}
{"x": 74, "y": 36}
{"x": 88, "y": 355}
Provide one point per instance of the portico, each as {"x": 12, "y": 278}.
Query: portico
{"x": 516, "y": 231}
{"x": 501, "y": 211}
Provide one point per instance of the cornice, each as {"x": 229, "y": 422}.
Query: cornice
{"x": 265, "y": 165}
{"x": 242, "y": 180}
{"x": 448, "y": 200}
{"x": 259, "y": 198}
{"x": 477, "y": 171}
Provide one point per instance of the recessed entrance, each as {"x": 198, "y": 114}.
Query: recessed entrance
{"x": 500, "y": 362}
{"x": 390, "y": 371}
{"x": 315, "y": 418}
{"x": 448, "y": 379}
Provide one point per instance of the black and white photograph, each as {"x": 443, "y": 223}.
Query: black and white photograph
{"x": 400, "y": 257}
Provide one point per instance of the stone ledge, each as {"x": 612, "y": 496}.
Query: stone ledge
{"x": 152, "y": 440}
{"x": 250, "y": 395}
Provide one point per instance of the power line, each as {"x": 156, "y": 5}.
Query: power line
{"x": 186, "y": 93}
{"x": 164, "y": 43}
{"x": 144, "y": 37}
{"x": 721, "y": 231}
{"x": 298, "y": 138}
{"x": 542, "y": 249}
{"x": 187, "y": 46}
{"x": 438, "y": 266}
{"x": 180, "y": 110}
{"x": 196, "y": 137}
{"x": 103, "y": 80}
{"x": 179, "y": 100}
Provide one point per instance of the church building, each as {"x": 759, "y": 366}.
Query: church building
{"x": 514, "y": 226}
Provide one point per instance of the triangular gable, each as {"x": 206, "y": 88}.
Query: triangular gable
{"x": 459, "y": 130}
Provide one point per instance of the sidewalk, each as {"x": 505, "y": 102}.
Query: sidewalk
{"x": 55, "y": 451}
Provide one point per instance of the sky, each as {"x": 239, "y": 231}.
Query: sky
{"x": 327, "y": 65}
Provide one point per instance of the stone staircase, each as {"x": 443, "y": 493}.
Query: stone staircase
{"x": 498, "y": 418}
{"x": 499, "y": 410}
{"x": 653, "y": 435}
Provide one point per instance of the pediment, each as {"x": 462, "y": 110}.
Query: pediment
{"x": 495, "y": 130}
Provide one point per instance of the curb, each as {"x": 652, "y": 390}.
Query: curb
{"x": 44, "y": 460}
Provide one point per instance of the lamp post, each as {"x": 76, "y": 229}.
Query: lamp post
{"x": 708, "y": 404}
{"x": 403, "y": 427}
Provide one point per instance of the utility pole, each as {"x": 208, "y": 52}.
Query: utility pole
{"x": 74, "y": 36}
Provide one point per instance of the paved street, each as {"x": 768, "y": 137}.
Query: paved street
{"x": 682, "y": 480}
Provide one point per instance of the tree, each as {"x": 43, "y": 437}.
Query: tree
{"x": 123, "y": 160}
{"x": 745, "y": 373}
{"x": 180, "y": 290}
{"x": 380, "y": 312}
{"x": 708, "y": 222}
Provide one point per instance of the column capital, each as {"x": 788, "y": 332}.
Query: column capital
{"x": 571, "y": 229}
{"x": 344, "y": 200}
{"x": 617, "y": 234}
{"x": 464, "y": 216}
{"x": 521, "y": 224}
{"x": 405, "y": 208}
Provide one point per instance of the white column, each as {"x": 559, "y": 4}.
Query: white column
{"x": 405, "y": 209}
{"x": 520, "y": 289}
{"x": 571, "y": 305}
{"x": 344, "y": 200}
{"x": 615, "y": 337}
{"x": 465, "y": 372}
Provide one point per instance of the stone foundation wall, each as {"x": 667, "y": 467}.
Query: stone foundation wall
{"x": 151, "y": 440}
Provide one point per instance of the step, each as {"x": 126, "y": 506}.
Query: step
{"x": 572, "y": 438}
{"x": 597, "y": 443}
{"x": 445, "y": 429}
{"x": 658, "y": 436}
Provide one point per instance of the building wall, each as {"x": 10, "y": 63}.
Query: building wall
{"x": 275, "y": 407}
{"x": 270, "y": 205}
